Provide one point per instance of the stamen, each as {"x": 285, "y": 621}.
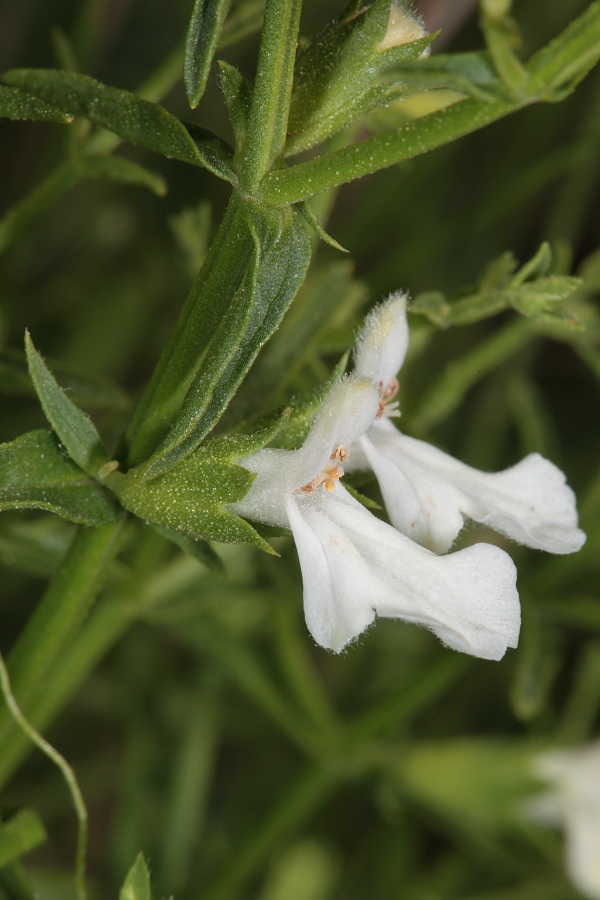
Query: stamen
{"x": 330, "y": 475}
{"x": 341, "y": 454}
{"x": 388, "y": 393}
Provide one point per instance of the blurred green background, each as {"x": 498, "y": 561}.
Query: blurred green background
{"x": 207, "y": 731}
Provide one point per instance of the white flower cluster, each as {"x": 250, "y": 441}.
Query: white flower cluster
{"x": 354, "y": 566}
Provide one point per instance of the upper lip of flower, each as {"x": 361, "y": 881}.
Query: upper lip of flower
{"x": 428, "y": 493}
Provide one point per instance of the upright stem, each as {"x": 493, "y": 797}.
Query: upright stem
{"x": 59, "y": 616}
{"x": 272, "y": 90}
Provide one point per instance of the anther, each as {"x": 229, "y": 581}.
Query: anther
{"x": 330, "y": 475}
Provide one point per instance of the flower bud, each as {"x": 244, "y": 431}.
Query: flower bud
{"x": 403, "y": 27}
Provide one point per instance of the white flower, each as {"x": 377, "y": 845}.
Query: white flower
{"x": 355, "y": 566}
{"x": 573, "y": 802}
{"x": 427, "y": 493}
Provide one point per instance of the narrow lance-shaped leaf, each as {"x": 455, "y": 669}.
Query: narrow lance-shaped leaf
{"x": 15, "y": 104}
{"x": 339, "y": 70}
{"x": 35, "y": 474}
{"x": 124, "y": 113}
{"x": 202, "y": 38}
{"x": 91, "y": 390}
{"x": 280, "y": 260}
{"x": 219, "y": 278}
{"x": 238, "y": 97}
{"x": 137, "y": 883}
{"x": 329, "y": 297}
{"x": 569, "y": 56}
{"x": 76, "y": 431}
{"x": 501, "y": 35}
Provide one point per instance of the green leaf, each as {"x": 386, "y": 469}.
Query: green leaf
{"x": 502, "y": 36}
{"x": 536, "y": 300}
{"x": 220, "y": 277}
{"x": 75, "y": 430}
{"x": 568, "y": 58}
{"x": 35, "y": 474}
{"x": 238, "y": 97}
{"x": 467, "y": 73}
{"x": 15, "y": 104}
{"x": 127, "y": 115}
{"x": 268, "y": 119}
{"x": 208, "y": 17}
{"x": 501, "y": 286}
{"x": 327, "y": 300}
{"x": 216, "y": 153}
{"x": 279, "y": 262}
{"x": 338, "y": 70}
{"x": 137, "y": 883}
{"x": 306, "y": 210}
{"x": 191, "y": 497}
{"x": 20, "y": 834}
{"x": 536, "y": 267}
{"x": 85, "y": 388}
{"x": 124, "y": 171}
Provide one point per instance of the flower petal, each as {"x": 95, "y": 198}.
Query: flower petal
{"x": 574, "y": 776}
{"x": 354, "y": 566}
{"x": 383, "y": 341}
{"x": 332, "y": 615}
{"x": 348, "y": 409}
{"x": 428, "y": 493}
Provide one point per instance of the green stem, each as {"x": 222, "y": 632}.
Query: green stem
{"x": 272, "y": 90}
{"x": 106, "y": 625}
{"x": 59, "y": 616}
{"x": 383, "y": 150}
{"x": 68, "y": 774}
{"x": 108, "y": 622}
